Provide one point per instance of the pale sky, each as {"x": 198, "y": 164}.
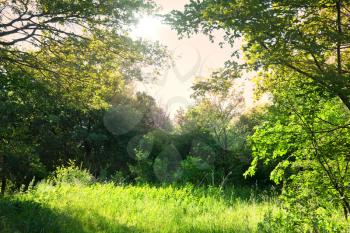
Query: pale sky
{"x": 194, "y": 57}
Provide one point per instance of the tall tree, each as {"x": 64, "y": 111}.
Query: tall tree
{"x": 219, "y": 103}
{"x": 59, "y": 82}
{"x": 305, "y": 136}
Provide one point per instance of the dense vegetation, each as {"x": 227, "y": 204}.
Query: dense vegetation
{"x": 79, "y": 147}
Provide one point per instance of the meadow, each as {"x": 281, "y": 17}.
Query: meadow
{"x": 108, "y": 208}
{"x": 104, "y": 131}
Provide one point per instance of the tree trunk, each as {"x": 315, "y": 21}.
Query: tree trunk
{"x": 345, "y": 99}
{"x": 346, "y": 207}
{"x": 2, "y": 174}
{"x": 340, "y": 32}
{"x": 3, "y": 184}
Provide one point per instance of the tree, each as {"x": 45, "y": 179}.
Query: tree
{"x": 216, "y": 130}
{"x": 30, "y": 24}
{"x": 306, "y": 37}
{"x": 301, "y": 49}
{"x": 55, "y": 100}
{"x": 305, "y": 136}
{"x": 22, "y": 99}
{"x": 218, "y": 104}
{"x": 34, "y": 21}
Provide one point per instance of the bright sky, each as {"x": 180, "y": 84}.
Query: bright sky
{"x": 194, "y": 57}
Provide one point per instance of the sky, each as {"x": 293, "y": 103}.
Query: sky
{"x": 193, "y": 57}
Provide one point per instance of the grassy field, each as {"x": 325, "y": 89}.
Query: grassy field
{"x": 108, "y": 208}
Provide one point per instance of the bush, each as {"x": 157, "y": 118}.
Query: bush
{"x": 166, "y": 164}
{"x": 71, "y": 174}
{"x": 142, "y": 170}
{"x": 287, "y": 221}
{"x": 119, "y": 178}
{"x": 193, "y": 170}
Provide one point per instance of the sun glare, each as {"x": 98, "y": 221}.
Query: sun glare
{"x": 147, "y": 28}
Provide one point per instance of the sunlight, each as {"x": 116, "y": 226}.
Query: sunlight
{"x": 147, "y": 28}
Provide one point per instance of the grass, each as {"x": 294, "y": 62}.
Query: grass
{"x": 107, "y": 208}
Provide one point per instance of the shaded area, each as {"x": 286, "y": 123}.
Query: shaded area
{"x": 81, "y": 214}
{"x": 27, "y": 216}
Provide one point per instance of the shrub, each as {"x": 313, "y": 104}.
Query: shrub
{"x": 193, "y": 170}
{"x": 142, "y": 170}
{"x": 304, "y": 210}
{"x": 166, "y": 164}
{"x": 71, "y": 174}
{"x": 291, "y": 221}
{"x": 119, "y": 178}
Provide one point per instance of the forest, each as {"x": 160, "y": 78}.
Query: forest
{"x": 83, "y": 150}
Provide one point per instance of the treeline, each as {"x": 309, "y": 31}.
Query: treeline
{"x": 118, "y": 135}
{"x": 67, "y": 95}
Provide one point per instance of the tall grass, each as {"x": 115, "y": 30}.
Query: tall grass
{"x": 107, "y": 208}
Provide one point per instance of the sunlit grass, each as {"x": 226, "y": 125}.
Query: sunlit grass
{"x": 109, "y": 208}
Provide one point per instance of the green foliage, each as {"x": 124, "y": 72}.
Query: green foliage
{"x": 118, "y": 178}
{"x": 299, "y": 221}
{"x": 219, "y": 83}
{"x": 71, "y": 174}
{"x": 306, "y": 37}
{"x": 218, "y": 134}
{"x": 69, "y": 98}
{"x": 304, "y": 137}
{"x": 300, "y": 47}
{"x": 143, "y": 170}
{"x": 19, "y": 158}
{"x": 194, "y": 170}
{"x": 46, "y": 21}
{"x": 167, "y": 164}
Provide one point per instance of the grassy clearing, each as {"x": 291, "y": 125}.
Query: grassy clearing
{"x": 108, "y": 208}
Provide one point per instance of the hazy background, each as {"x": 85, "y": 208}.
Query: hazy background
{"x": 194, "y": 57}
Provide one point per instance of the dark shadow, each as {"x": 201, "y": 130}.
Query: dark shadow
{"x": 31, "y": 217}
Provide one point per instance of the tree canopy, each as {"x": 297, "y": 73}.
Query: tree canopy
{"x": 307, "y": 37}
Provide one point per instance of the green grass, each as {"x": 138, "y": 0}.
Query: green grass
{"x": 108, "y": 208}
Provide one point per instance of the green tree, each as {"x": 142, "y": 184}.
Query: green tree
{"x": 22, "y": 100}
{"x": 306, "y": 37}
{"x": 35, "y": 22}
{"x": 218, "y": 104}
{"x": 58, "y": 113}
{"x": 305, "y": 137}
{"x": 301, "y": 47}
{"x": 217, "y": 128}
